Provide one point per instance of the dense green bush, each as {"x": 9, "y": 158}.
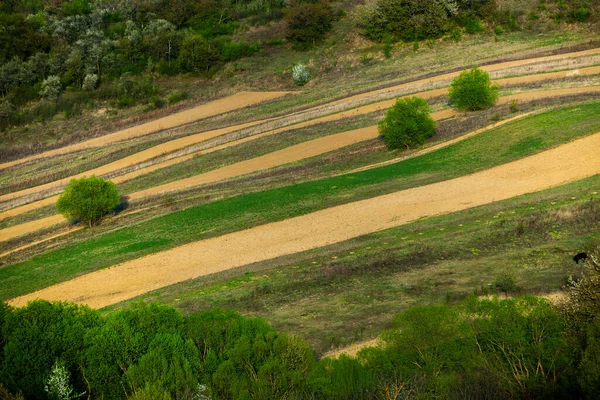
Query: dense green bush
{"x": 88, "y": 200}
{"x": 480, "y": 348}
{"x": 409, "y": 20}
{"x": 300, "y": 74}
{"x": 39, "y": 335}
{"x": 472, "y": 90}
{"x": 197, "y": 54}
{"x": 307, "y": 23}
{"x": 407, "y": 123}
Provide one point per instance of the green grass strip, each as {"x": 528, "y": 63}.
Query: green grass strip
{"x": 504, "y": 144}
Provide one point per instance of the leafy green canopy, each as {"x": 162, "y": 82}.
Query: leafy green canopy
{"x": 495, "y": 349}
{"x": 407, "y": 123}
{"x": 307, "y": 23}
{"x": 472, "y": 90}
{"x": 88, "y": 200}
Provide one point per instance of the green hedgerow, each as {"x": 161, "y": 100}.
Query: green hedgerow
{"x": 88, "y": 200}
{"x": 407, "y": 123}
{"x": 472, "y": 90}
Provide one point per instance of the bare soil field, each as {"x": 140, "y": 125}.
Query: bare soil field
{"x": 34, "y": 193}
{"x": 221, "y": 106}
{"x": 278, "y": 158}
{"x": 295, "y": 153}
{"x": 545, "y": 170}
{"x": 315, "y": 113}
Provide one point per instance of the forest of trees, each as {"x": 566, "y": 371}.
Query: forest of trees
{"x": 522, "y": 347}
{"x": 110, "y": 50}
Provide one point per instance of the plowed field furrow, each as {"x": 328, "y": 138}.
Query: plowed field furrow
{"x": 52, "y": 187}
{"x": 278, "y": 158}
{"x": 221, "y": 106}
{"x": 545, "y": 170}
{"x": 32, "y": 194}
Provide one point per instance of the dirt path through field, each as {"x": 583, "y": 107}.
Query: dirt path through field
{"x": 558, "y": 166}
{"x": 220, "y": 106}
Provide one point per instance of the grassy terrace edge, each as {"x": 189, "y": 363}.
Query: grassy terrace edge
{"x": 498, "y": 146}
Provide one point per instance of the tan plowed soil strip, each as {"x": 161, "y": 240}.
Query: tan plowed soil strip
{"x": 194, "y": 139}
{"x": 290, "y": 154}
{"x": 133, "y": 159}
{"x": 573, "y": 161}
{"x": 72, "y": 229}
{"x": 221, "y": 106}
{"x": 12, "y": 232}
{"x": 197, "y": 138}
{"x": 444, "y": 144}
{"x": 29, "y": 227}
{"x": 488, "y": 68}
{"x": 40, "y": 241}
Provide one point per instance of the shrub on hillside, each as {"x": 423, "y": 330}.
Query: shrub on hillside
{"x": 51, "y": 88}
{"x": 300, "y": 74}
{"x": 409, "y": 20}
{"x": 88, "y": 200}
{"x": 307, "y": 23}
{"x": 407, "y": 123}
{"x": 197, "y": 54}
{"x": 472, "y": 90}
{"x": 90, "y": 82}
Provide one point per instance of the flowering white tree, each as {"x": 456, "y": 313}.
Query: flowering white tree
{"x": 51, "y": 88}
{"x": 57, "y": 385}
{"x": 300, "y": 74}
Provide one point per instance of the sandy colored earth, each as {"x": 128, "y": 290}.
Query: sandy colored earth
{"x": 244, "y": 99}
{"x": 67, "y": 231}
{"x": 278, "y": 158}
{"x": 342, "y": 141}
{"x": 573, "y": 161}
{"x": 37, "y": 192}
{"x": 488, "y": 68}
{"x": 46, "y": 239}
{"x": 32, "y": 194}
{"x": 275, "y": 159}
{"x": 220, "y": 106}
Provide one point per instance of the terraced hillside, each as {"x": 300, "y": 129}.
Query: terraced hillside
{"x": 298, "y": 213}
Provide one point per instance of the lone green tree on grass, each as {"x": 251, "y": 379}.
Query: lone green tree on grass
{"x": 472, "y": 90}
{"x": 407, "y": 123}
{"x": 88, "y": 200}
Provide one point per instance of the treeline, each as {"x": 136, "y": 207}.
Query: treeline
{"x": 71, "y": 53}
{"x": 481, "y": 348}
{"x": 49, "y": 47}
{"x": 415, "y": 20}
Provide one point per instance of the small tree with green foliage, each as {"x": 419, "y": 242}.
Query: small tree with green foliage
{"x": 472, "y": 90}
{"x": 307, "y": 23}
{"x": 51, "y": 88}
{"x": 88, "y": 200}
{"x": 58, "y": 385}
{"x": 506, "y": 283}
{"x": 407, "y": 123}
